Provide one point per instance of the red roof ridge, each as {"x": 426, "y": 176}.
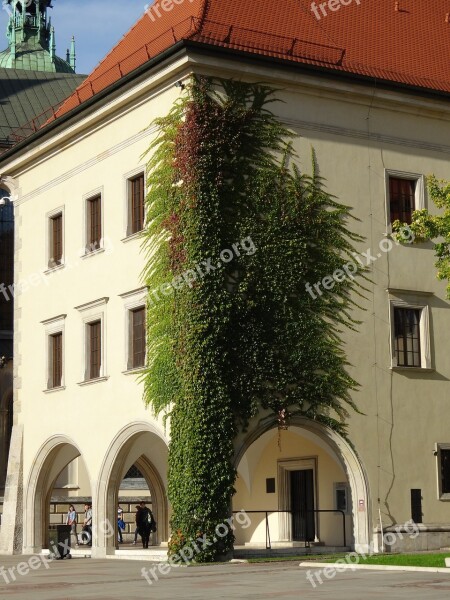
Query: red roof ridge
{"x": 93, "y": 77}
{"x": 132, "y": 28}
{"x": 368, "y": 39}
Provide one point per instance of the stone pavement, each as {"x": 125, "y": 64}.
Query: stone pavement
{"x": 88, "y": 579}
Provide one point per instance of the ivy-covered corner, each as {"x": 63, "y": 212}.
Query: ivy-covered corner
{"x": 235, "y": 232}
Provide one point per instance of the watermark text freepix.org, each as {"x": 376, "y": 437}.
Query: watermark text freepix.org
{"x": 409, "y": 529}
{"x": 200, "y": 270}
{"x": 188, "y": 553}
{"x": 154, "y": 11}
{"x": 9, "y": 292}
{"x": 34, "y": 563}
{"x": 361, "y": 262}
{"x": 320, "y": 9}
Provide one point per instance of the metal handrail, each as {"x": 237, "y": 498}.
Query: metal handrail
{"x": 292, "y": 512}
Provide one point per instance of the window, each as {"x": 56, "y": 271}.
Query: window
{"x": 405, "y": 193}
{"x": 137, "y": 338}
{"x": 407, "y": 337}
{"x": 94, "y": 223}
{"x": 55, "y": 375}
{"x": 136, "y": 187}
{"x": 94, "y": 350}
{"x": 401, "y": 199}
{"x": 443, "y": 470}
{"x": 341, "y": 497}
{"x": 134, "y": 329}
{"x": 94, "y": 345}
{"x": 56, "y": 240}
{"x": 416, "y": 505}
{"x": 54, "y": 352}
{"x": 410, "y": 330}
{"x": 133, "y": 473}
{"x": 133, "y": 480}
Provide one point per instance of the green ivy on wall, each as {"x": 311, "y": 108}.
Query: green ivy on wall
{"x": 235, "y": 231}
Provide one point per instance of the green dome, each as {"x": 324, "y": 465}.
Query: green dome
{"x": 31, "y": 40}
{"x": 31, "y": 59}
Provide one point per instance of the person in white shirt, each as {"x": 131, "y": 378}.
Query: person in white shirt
{"x": 72, "y": 519}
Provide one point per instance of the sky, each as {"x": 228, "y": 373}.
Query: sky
{"x": 96, "y": 24}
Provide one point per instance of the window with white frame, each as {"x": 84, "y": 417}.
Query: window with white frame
{"x": 94, "y": 337}
{"x": 54, "y": 352}
{"x": 136, "y": 203}
{"x": 93, "y": 349}
{"x": 443, "y": 470}
{"x": 405, "y": 193}
{"x": 134, "y": 190}
{"x": 55, "y": 236}
{"x": 93, "y": 211}
{"x": 410, "y": 333}
{"x": 137, "y": 338}
{"x": 135, "y": 328}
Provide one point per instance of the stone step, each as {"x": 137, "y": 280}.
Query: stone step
{"x": 243, "y": 552}
{"x": 150, "y": 555}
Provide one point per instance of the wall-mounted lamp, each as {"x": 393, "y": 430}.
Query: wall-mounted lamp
{"x": 180, "y": 84}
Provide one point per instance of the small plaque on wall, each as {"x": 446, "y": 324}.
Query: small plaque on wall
{"x": 270, "y": 485}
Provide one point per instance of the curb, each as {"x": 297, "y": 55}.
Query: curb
{"x": 339, "y": 567}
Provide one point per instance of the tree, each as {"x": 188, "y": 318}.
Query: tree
{"x": 426, "y": 227}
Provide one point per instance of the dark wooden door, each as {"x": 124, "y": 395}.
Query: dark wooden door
{"x": 302, "y": 505}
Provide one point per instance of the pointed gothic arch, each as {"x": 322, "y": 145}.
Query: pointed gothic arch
{"x": 139, "y": 443}
{"x": 351, "y": 464}
{"x": 53, "y": 456}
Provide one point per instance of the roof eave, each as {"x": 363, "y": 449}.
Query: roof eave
{"x": 337, "y": 74}
{"x": 56, "y": 125}
{"x": 215, "y": 50}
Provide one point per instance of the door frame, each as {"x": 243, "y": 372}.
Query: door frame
{"x": 284, "y": 493}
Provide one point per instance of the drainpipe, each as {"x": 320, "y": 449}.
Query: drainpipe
{"x": 381, "y": 529}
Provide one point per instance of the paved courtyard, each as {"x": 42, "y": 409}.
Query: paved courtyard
{"x": 86, "y": 579}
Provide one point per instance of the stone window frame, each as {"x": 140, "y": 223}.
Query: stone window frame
{"x": 439, "y": 447}
{"x": 414, "y": 300}
{"x": 51, "y": 327}
{"x": 420, "y": 192}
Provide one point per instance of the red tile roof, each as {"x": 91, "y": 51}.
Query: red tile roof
{"x": 404, "y": 41}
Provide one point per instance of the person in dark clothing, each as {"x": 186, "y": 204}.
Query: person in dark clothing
{"x": 136, "y": 519}
{"x": 144, "y": 520}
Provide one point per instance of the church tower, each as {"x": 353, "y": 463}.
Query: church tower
{"x": 31, "y": 39}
